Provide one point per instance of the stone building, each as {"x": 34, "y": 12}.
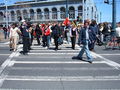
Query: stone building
{"x": 48, "y": 10}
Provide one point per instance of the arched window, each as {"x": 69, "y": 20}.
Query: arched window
{"x": 54, "y": 13}
{"x": 80, "y": 11}
{"x": 18, "y": 13}
{"x": 62, "y": 13}
{"x": 25, "y": 14}
{"x": 32, "y": 13}
{"x": 1, "y": 16}
{"x": 46, "y": 13}
{"x": 39, "y": 14}
{"x": 12, "y": 16}
{"x": 71, "y": 12}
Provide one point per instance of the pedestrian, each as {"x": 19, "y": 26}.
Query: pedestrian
{"x": 84, "y": 36}
{"x": 56, "y": 34}
{"x": 25, "y": 34}
{"x": 14, "y": 36}
{"x": 38, "y": 32}
{"x": 73, "y": 35}
{"x": 93, "y": 34}
{"x": 47, "y": 36}
{"x": 118, "y": 34}
{"x": 5, "y": 32}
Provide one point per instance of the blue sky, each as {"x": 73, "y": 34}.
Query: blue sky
{"x": 105, "y": 9}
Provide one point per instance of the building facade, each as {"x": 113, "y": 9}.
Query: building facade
{"x": 44, "y": 11}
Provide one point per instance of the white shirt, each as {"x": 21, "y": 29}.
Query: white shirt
{"x": 14, "y": 32}
{"x": 118, "y": 31}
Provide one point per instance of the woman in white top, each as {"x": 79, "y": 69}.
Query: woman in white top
{"x": 14, "y": 36}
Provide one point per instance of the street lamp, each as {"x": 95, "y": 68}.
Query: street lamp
{"x": 6, "y": 13}
{"x": 113, "y": 14}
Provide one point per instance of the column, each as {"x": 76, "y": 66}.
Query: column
{"x": 76, "y": 12}
{"x": 50, "y": 13}
{"x": 15, "y": 16}
{"x": 35, "y": 15}
{"x": 58, "y": 13}
{"x": 43, "y": 17}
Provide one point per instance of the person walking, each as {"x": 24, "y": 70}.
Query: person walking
{"x": 47, "y": 35}
{"x": 25, "y": 34}
{"x": 118, "y": 34}
{"x": 84, "y": 36}
{"x": 14, "y": 36}
{"x": 73, "y": 35}
{"x": 38, "y": 32}
{"x": 93, "y": 34}
{"x": 56, "y": 34}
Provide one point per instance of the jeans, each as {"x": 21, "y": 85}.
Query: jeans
{"x": 48, "y": 41}
{"x": 86, "y": 50}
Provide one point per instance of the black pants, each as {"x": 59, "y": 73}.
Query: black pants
{"x": 56, "y": 41}
{"x": 73, "y": 41}
{"x": 38, "y": 39}
{"x": 26, "y": 44}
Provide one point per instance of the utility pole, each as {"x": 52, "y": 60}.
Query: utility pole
{"x": 6, "y": 13}
{"x": 66, "y": 8}
{"x": 113, "y": 15}
{"x": 100, "y": 16}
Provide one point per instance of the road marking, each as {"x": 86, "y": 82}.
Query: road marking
{"x": 54, "y": 62}
{"x": 5, "y": 64}
{"x": 6, "y": 43}
{"x": 4, "y": 54}
{"x": 108, "y": 61}
{"x": 59, "y": 68}
{"x": 52, "y": 53}
{"x": 7, "y": 61}
{"x": 110, "y": 54}
{"x": 54, "y": 50}
{"x": 63, "y": 78}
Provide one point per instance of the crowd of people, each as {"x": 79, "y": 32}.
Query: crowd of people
{"x": 88, "y": 33}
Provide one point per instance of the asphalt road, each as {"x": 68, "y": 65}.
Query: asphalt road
{"x": 44, "y": 69}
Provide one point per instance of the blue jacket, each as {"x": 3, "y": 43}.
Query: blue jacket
{"x": 91, "y": 33}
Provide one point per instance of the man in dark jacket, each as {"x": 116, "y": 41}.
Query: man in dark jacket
{"x": 25, "y": 34}
{"x": 85, "y": 39}
{"x": 56, "y": 32}
{"x": 93, "y": 32}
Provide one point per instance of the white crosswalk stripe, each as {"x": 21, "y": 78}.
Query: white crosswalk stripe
{"x": 43, "y": 65}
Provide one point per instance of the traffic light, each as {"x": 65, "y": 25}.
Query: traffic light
{"x": 106, "y": 1}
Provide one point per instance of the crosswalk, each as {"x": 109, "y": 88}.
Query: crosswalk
{"x": 47, "y": 69}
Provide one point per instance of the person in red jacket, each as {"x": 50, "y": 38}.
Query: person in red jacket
{"x": 47, "y": 36}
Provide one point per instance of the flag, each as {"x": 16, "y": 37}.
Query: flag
{"x": 66, "y": 22}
